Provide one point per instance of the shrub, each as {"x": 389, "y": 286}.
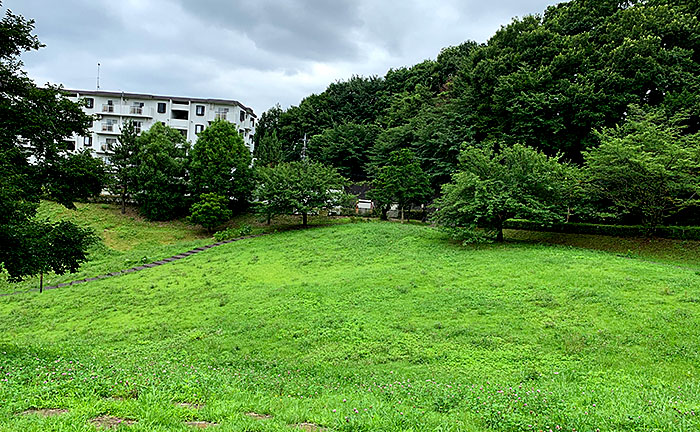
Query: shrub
{"x": 210, "y": 211}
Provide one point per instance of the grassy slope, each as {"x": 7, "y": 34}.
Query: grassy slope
{"x": 129, "y": 240}
{"x": 392, "y": 320}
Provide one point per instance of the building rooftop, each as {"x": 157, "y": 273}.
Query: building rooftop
{"x": 150, "y": 96}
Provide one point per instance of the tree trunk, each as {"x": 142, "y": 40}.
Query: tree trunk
{"x": 383, "y": 215}
{"x": 124, "y": 199}
{"x": 499, "y": 230}
{"x": 41, "y": 282}
{"x": 401, "y": 214}
{"x": 304, "y": 219}
{"x": 269, "y": 218}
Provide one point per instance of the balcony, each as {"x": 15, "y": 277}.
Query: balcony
{"x": 109, "y": 129}
{"x": 128, "y": 110}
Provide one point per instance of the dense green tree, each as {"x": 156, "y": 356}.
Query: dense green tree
{"x": 210, "y": 211}
{"x": 73, "y": 177}
{"x": 267, "y": 124}
{"x": 220, "y": 163}
{"x": 269, "y": 150}
{"x": 345, "y": 147}
{"x": 161, "y": 173}
{"x": 492, "y": 187}
{"x": 122, "y": 162}
{"x": 401, "y": 181}
{"x": 36, "y": 122}
{"x": 299, "y": 187}
{"x": 551, "y": 81}
{"x": 647, "y": 168}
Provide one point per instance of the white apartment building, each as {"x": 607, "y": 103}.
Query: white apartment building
{"x": 190, "y": 116}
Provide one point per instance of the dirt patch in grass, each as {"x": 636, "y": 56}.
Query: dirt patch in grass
{"x": 201, "y": 424}
{"x": 110, "y": 422}
{"x": 45, "y": 412}
{"x": 309, "y": 427}
{"x": 257, "y": 416}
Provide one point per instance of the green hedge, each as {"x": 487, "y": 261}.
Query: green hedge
{"x": 671, "y": 232}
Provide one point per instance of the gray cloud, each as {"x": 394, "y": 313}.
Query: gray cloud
{"x": 309, "y": 29}
{"x": 259, "y": 53}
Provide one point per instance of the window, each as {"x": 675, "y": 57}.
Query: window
{"x": 70, "y": 145}
{"x": 252, "y": 122}
{"x": 180, "y": 115}
{"x": 161, "y": 107}
{"x": 137, "y": 127}
{"x": 108, "y": 125}
{"x": 136, "y": 108}
{"x": 242, "y": 116}
{"x": 87, "y": 141}
{"x": 89, "y": 102}
{"x": 200, "y": 110}
{"x": 183, "y": 132}
{"x": 221, "y": 114}
{"x": 198, "y": 129}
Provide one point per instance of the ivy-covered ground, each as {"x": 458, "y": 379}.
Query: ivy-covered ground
{"x": 363, "y": 327}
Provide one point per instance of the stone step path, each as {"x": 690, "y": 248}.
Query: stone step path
{"x": 140, "y": 267}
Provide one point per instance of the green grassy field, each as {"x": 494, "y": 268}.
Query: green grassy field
{"x": 362, "y": 327}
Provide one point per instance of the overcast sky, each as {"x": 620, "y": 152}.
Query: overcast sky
{"x": 258, "y": 52}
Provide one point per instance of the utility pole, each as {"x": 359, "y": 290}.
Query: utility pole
{"x": 303, "y": 149}
{"x": 98, "y": 76}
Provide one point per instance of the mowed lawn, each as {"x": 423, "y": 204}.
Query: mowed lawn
{"x": 362, "y": 327}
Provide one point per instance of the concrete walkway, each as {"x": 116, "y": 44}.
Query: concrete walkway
{"x": 138, "y": 268}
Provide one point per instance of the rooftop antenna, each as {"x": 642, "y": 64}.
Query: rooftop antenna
{"x": 98, "y": 76}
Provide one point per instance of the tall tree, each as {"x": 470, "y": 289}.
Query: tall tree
{"x": 220, "y": 163}
{"x": 269, "y": 150}
{"x": 160, "y": 173}
{"x": 123, "y": 162}
{"x": 267, "y": 125}
{"x": 35, "y": 124}
{"x": 550, "y": 81}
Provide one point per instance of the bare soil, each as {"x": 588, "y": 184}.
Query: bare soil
{"x": 110, "y": 422}
{"x": 45, "y": 412}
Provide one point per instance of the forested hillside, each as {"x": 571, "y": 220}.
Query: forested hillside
{"x": 548, "y": 81}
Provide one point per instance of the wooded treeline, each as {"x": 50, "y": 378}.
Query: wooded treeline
{"x": 550, "y": 82}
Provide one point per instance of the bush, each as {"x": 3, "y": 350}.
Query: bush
{"x": 670, "y": 232}
{"x": 210, "y": 211}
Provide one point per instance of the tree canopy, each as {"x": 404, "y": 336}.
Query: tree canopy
{"x": 34, "y": 162}
{"x": 494, "y": 186}
{"x": 299, "y": 187}
{"x": 160, "y": 173}
{"x": 647, "y": 167}
{"x": 220, "y": 163}
{"x": 549, "y": 81}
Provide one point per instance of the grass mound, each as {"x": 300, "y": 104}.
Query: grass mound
{"x": 366, "y": 326}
